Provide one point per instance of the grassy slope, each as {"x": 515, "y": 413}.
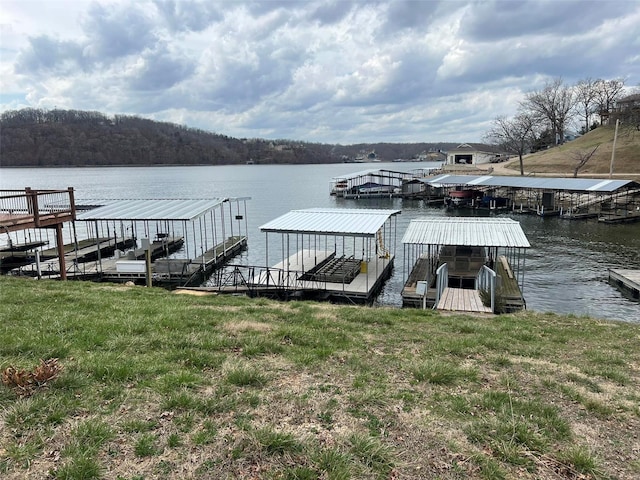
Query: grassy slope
{"x": 562, "y": 159}
{"x": 158, "y": 385}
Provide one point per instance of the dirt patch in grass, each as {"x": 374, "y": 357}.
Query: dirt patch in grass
{"x": 247, "y": 325}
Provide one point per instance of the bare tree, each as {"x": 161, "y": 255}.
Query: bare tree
{"x": 608, "y": 92}
{"x": 515, "y": 135}
{"x": 581, "y": 158}
{"x": 586, "y": 92}
{"x": 553, "y": 104}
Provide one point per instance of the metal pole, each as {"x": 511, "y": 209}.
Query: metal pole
{"x": 613, "y": 150}
{"x": 60, "y": 244}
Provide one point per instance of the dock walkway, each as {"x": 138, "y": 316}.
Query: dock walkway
{"x": 462, "y": 300}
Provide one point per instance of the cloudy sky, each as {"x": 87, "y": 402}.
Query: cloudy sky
{"x": 322, "y": 71}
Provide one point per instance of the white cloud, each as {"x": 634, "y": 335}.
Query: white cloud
{"x": 328, "y": 71}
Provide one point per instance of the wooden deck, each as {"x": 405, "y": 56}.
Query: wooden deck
{"x": 627, "y": 280}
{"x": 462, "y": 300}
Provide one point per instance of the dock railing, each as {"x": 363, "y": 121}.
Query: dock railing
{"x": 442, "y": 281}
{"x": 486, "y": 281}
{"x": 255, "y": 279}
{"x": 42, "y": 207}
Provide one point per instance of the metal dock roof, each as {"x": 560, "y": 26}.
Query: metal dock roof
{"x": 164, "y": 209}
{"x": 374, "y": 172}
{"x": 552, "y": 183}
{"x": 466, "y": 231}
{"x": 331, "y": 221}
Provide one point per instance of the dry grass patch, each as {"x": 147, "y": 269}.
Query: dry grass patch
{"x": 561, "y": 160}
{"x": 247, "y": 326}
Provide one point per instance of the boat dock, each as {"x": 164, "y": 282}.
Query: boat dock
{"x": 84, "y": 251}
{"x": 612, "y": 201}
{"x": 171, "y": 242}
{"x": 334, "y": 278}
{"x": 339, "y": 254}
{"x": 376, "y": 183}
{"x": 626, "y": 280}
{"x": 454, "y": 262}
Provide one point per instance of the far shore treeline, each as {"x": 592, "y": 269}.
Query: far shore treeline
{"x": 46, "y": 138}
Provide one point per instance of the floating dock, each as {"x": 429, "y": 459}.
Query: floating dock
{"x": 84, "y": 251}
{"x": 174, "y": 272}
{"x": 626, "y": 280}
{"x": 169, "y": 242}
{"x": 339, "y": 255}
{"x": 613, "y": 201}
{"x": 338, "y": 279}
{"x": 452, "y": 260}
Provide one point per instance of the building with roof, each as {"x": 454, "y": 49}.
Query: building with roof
{"x": 466, "y": 154}
{"x": 453, "y": 261}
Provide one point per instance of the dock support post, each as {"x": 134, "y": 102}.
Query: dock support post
{"x": 146, "y": 245}
{"x": 60, "y": 245}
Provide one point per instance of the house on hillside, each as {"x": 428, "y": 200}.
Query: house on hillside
{"x": 466, "y": 154}
{"x": 628, "y": 110}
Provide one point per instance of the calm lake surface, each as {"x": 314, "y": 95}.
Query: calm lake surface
{"x": 566, "y": 266}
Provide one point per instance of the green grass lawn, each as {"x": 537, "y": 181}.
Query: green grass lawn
{"x": 158, "y": 385}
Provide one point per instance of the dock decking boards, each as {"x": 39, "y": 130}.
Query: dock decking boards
{"x": 462, "y": 300}
{"x": 627, "y": 279}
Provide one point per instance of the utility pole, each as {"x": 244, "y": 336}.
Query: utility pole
{"x": 613, "y": 151}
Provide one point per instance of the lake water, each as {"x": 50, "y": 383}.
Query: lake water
{"x": 566, "y": 266}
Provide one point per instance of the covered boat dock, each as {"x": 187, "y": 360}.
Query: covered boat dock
{"x": 454, "y": 261}
{"x": 572, "y": 198}
{"x": 327, "y": 254}
{"x": 369, "y": 183}
{"x": 170, "y": 242}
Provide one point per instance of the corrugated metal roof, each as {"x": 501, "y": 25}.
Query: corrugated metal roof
{"x": 152, "y": 209}
{"x": 376, "y": 172}
{"x": 552, "y": 183}
{"x": 466, "y": 231}
{"x": 331, "y": 221}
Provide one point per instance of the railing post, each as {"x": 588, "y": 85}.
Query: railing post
{"x": 60, "y": 245}
{"x": 442, "y": 280}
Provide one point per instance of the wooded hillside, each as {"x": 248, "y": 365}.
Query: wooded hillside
{"x": 35, "y": 137}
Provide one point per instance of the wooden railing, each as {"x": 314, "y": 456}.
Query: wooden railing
{"x": 22, "y": 209}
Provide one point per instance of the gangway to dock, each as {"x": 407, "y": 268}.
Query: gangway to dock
{"x": 462, "y": 300}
